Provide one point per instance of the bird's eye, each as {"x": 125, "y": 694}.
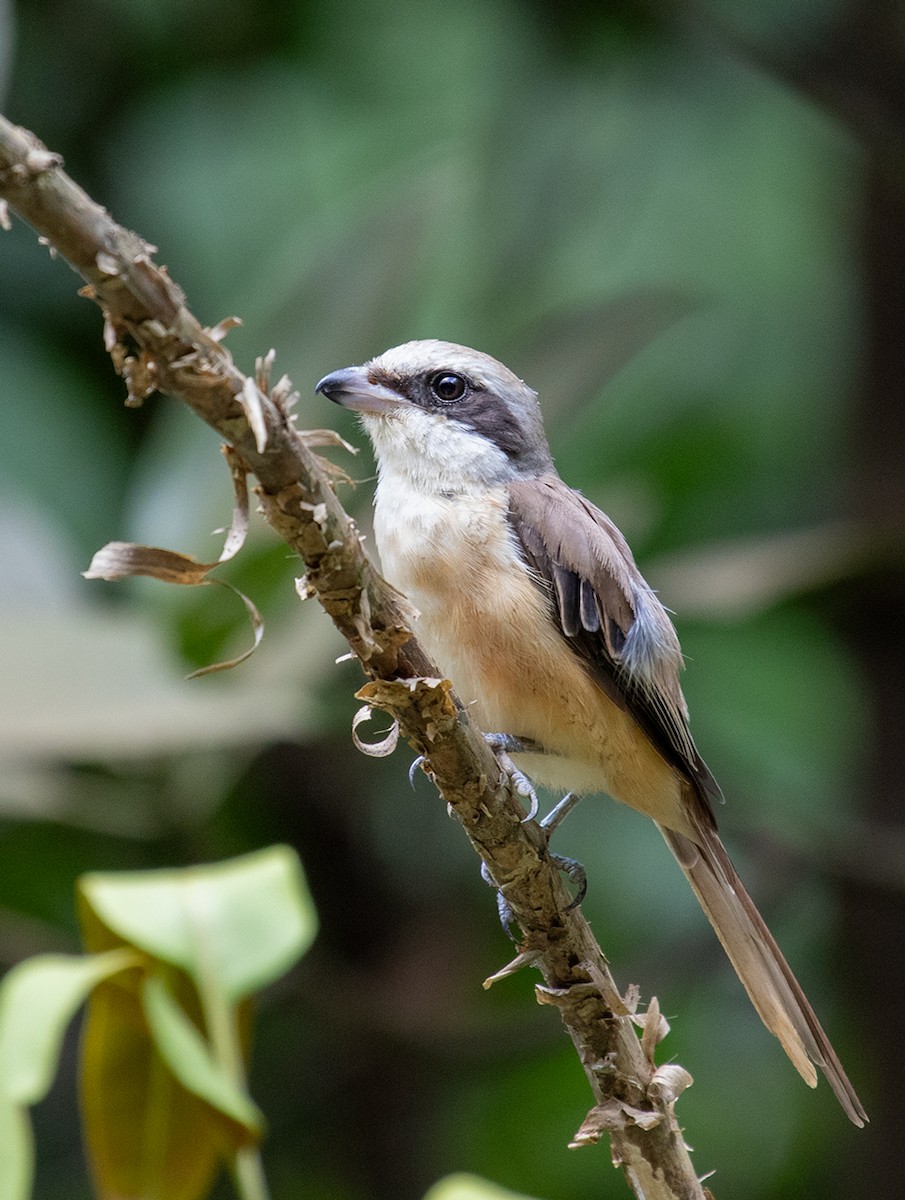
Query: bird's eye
{"x": 448, "y": 387}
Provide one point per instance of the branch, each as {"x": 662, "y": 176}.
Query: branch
{"x": 157, "y": 344}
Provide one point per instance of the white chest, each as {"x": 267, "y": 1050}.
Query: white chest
{"x": 481, "y": 616}
{"x": 442, "y": 531}
{"x": 445, "y": 553}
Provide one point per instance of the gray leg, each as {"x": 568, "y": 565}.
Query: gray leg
{"x": 570, "y": 866}
{"x": 558, "y": 814}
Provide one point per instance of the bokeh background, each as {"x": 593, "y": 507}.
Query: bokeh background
{"x": 683, "y": 223}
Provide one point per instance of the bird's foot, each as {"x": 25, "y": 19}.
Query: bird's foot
{"x": 569, "y": 866}
{"x": 503, "y": 907}
{"x": 578, "y": 875}
{"x": 504, "y": 745}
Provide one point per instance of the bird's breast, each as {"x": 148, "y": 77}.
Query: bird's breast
{"x": 488, "y": 625}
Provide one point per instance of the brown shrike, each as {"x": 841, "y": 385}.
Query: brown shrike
{"x": 528, "y": 597}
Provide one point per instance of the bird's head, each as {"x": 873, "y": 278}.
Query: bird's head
{"x": 446, "y": 416}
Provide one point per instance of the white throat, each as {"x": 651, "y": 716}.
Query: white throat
{"x": 431, "y": 455}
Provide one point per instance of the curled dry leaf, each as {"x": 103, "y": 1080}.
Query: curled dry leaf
{"x": 257, "y": 625}
{"x": 603, "y": 1118}
{"x": 565, "y": 997}
{"x": 122, "y": 560}
{"x": 644, "y": 1118}
{"x": 655, "y": 1028}
{"x": 374, "y": 749}
{"x": 119, "y": 560}
{"x": 610, "y": 1117}
{"x": 668, "y": 1083}
{"x": 432, "y": 698}
{"x": 632, "y": 998}
{"x": 282, "y": 393}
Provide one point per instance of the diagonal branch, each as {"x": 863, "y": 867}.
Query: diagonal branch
{"x": 157, "y": 344}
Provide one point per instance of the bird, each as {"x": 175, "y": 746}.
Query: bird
{"x": 528, "y": 597}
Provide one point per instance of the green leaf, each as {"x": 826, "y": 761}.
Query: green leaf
{"x": 470, "y": 1187}
{"x": 188, "y": 1056}
{"x": 236, "y": 925}
{"x": 18, "y": 1156}
{"x": 38, "y": 999}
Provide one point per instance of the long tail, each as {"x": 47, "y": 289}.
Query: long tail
{"x": 759, "y": 964}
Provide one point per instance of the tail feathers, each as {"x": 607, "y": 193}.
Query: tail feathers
{"x": 759, "y": 963}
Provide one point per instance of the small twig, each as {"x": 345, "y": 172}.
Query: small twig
{"x": 156, "y": 343}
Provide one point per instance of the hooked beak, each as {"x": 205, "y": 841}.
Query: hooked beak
{"x": 351, "y": 388}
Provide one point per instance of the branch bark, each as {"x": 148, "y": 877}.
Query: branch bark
{"x": 157, "y": 344}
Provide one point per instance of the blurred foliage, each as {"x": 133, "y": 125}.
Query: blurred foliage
{"x": 660, "y": 237}
{"x": 174, "y": 957}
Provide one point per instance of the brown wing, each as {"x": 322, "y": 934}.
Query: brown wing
{"x": 608, "y": 614}
{"x": 616, "y": 624}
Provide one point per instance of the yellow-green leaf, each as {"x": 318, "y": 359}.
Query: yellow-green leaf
{"x": 38, "y": 999}
{"x": 233, "y": 926}
{"x": 16, "y": 1151}
{"x": 470, "y": 1187}
{"x": 189, "y": 1058}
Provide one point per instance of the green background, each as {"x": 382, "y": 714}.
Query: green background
{"x": 678, "y": 222}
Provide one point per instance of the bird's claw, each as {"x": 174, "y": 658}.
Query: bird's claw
{"x": 419, "y": 761}
{"x": 523, "y": 787}
{"x": 576, "y": 872}
{"x": 569, "y": 866}
{"x": 509, "y": 743}
{"x": 504, "y": 744}
{"x": 506, "y": 915}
